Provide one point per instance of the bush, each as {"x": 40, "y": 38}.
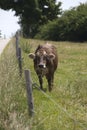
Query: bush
{"x": 71, "y": 26}
{"x": 47, "y": 32}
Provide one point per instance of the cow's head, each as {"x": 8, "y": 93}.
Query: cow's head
{"x": 42, "y": 58}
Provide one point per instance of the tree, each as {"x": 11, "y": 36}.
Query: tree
{"x": 77, "y": 25}
{"x": 33, "y": 13}
{"x": 45, "y": 11}
{"x": 71, "y": 26}
{"x": 50, "y": 10}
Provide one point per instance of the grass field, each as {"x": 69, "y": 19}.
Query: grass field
{"x": 65, "y": 108}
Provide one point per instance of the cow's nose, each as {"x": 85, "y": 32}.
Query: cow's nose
{"x": 41, "y": 65}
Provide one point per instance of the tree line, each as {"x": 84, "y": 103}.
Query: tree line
{"x": 46, "y": 19}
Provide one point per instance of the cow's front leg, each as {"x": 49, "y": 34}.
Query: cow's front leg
{"x": 41, "y": 82}
{"x": 50, "y": 82}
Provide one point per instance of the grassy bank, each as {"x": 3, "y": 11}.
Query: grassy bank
{"x": 65, "y": 108}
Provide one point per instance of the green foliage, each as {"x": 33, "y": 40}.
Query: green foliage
{"x": 50, "y": 10}
{"x": 48, "y": 31}
{"x": 77, "y": 23}
{"x": 71, "y": 26}
{"x": 65, "y": 108}
{"x": 45, "y": 20}
{"x": 47, "y": 11}
{"x": 32, "y": 13}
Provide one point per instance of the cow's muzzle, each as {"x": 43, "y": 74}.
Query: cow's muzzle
{"x": 42, "y": 66}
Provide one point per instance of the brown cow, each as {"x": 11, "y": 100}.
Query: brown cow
{"x": 45, "y": 63}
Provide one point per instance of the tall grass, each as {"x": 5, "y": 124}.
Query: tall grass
{"x": 12, "y": 92}
{"x": 65, "y": 108}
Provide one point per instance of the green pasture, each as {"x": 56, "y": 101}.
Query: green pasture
{"x": 65, "y": 108}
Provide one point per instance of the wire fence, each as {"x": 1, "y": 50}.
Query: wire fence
{"x": 59, "y": 109}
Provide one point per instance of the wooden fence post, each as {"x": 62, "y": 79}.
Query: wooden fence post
{"x": 29, "y": 92}
{"x": 20, "y": 61}
{"x": 17, "y": 42}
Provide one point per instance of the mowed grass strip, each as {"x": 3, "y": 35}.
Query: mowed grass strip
{"x": 65, "y": 108}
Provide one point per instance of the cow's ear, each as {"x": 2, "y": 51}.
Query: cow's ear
{"x": 32, "y": 55}
{"x": 51, "y": 56}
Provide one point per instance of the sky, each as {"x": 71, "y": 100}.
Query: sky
{"x": 67, "y": 4}
{"x": 8, "y": 22}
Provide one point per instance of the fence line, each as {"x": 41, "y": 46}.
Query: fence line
{"x": 27, "y": 78}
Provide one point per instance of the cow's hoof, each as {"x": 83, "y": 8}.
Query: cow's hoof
{"x": 43, "y": 89}
{"x": 50, "y": 89}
